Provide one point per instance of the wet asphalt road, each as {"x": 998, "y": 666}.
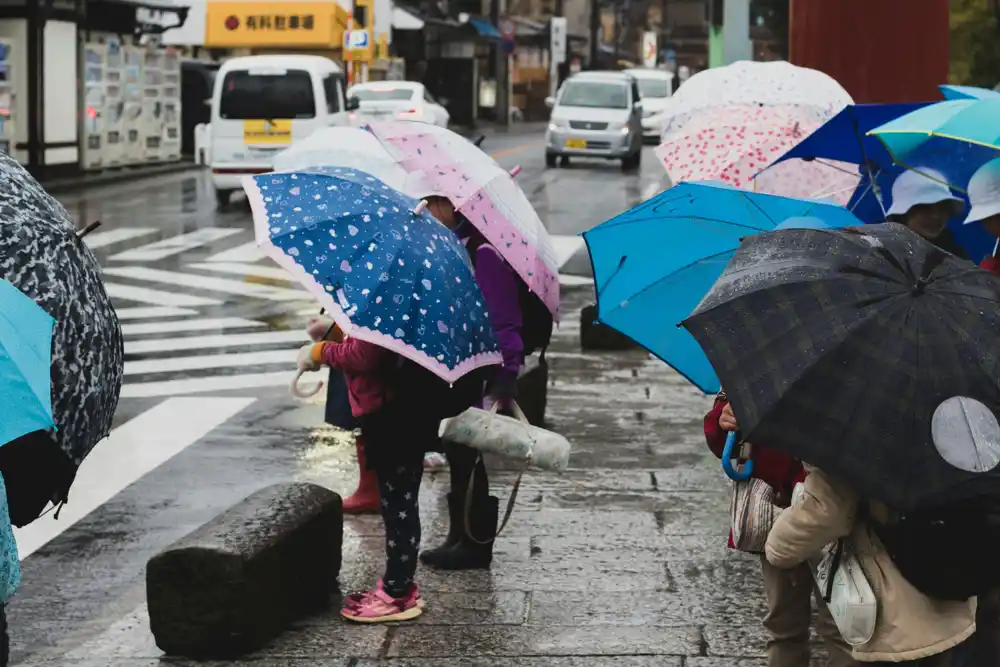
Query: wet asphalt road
{"x": 621, "y": 557}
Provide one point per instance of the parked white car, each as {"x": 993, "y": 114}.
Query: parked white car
{"x": 656, "y": 87}
{"x": 396, "y": 100}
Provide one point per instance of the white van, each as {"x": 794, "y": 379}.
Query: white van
{"x": 261, "y": 104}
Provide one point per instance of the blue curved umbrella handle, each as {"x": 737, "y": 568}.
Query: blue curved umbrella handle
{"x": 727, "y": 461}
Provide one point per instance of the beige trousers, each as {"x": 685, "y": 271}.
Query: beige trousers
{"x": 789, "y": 599}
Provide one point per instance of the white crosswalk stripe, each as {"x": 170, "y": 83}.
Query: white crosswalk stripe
{"x": 176, "y": 326}
{"x": 208, "y": 283}
{"x": 174, "y": 245}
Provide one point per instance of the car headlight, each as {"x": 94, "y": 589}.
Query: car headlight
{"x": 557, "y": 124}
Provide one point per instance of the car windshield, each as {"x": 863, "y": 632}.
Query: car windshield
{"x": 595, "y": 94}
{"x": 654, "y": 87}
{"x": 248, "y": 96}
{"x": 382, "y": 94}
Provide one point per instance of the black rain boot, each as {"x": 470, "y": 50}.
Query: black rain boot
{"x": 456, "y": 521}
{"x": 468, "y": 554}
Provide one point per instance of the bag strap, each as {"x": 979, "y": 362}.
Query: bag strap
{"x": 467, "y": 511}
{"x": 838, "y": 555}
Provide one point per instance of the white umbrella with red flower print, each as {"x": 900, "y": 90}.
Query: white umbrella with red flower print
{"x": 734, "y": 144}
{"x": 485, "y": 193}
{"x": 749, "y": 83}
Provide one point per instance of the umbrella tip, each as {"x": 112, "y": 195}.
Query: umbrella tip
{"x": 421, "y": 207}
{"x": 516, "y": 170}
{"x": 89, "y": 228}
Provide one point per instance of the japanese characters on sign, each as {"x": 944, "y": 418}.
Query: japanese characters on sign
{"x": 273, "y": 22}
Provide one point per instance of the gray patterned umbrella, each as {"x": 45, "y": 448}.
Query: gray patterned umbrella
{"x": 41, "y": 254}
{"x": 867, "y": 352}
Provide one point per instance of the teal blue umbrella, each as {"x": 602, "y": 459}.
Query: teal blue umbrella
{"x": 968, "y": 93}
{"x": 954, "y": 138}
{"x": 25, "y": 361}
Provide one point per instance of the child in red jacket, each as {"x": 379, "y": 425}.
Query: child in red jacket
{"x": 787, "y": 591}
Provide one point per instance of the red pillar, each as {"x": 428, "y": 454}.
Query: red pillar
{"x": 879, "y": 50}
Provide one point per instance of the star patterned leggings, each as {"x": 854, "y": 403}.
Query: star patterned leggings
{"x": 399, "y": 486}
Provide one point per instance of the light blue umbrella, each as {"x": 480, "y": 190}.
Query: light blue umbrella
{"x": 954, "y": 138}
{"x": 654, "y": 263}
{"x": 968, "y": 93}
{"x": 25, "y": 363}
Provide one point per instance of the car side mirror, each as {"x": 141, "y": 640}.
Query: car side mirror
{"x": 638, "y": 105}
{"x": 353, "y": 104}
{"x": 550, "y": 101}
{"x": 444, "y": 101}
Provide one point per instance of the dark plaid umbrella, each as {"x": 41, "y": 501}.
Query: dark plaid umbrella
{"x": 42, "y": 255}
{"x": 867, "y": 352}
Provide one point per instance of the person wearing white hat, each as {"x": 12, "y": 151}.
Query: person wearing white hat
{"x": 923, "y": 202}
{"x": 984, "y": 195}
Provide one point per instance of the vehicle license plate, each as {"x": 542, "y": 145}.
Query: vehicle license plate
{"x": 576, "y": 143}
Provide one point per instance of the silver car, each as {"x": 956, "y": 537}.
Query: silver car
{"x": 596, "y": 114}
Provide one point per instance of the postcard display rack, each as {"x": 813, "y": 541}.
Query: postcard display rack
{"x": 7, "y": 97}
{"x": 171, "y": 105}
{"x": 134, "y": 148}
{"x": 114, "y": 103}
{"x": 92, "y": 153}
{"x": 152, "y": 105}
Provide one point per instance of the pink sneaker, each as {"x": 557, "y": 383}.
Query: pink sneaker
{"x": 377, "y": 606}
{"x": 353, "y": 600}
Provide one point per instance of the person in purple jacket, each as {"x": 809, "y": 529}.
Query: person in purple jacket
{"x": 500, "y": 286}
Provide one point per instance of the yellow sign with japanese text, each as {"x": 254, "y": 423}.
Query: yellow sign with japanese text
{"x": 283, "y": 24}
{"x": 267, "y": 132}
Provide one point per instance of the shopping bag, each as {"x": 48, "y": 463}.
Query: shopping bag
{"x": 509, "y": 437}
{"x": 752, "y": 513}
{"x": 845, "y": 588}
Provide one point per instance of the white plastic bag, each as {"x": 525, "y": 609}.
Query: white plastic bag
{"x": 487, "y": 431}
{"x": 844, "y": 587}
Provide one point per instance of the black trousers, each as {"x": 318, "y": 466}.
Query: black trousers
{"x": 395, "y": 441}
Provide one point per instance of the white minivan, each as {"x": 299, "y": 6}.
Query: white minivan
{"x": 262, "y": 104}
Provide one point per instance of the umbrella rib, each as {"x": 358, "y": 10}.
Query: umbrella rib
{"x": 694, "y": 218}
{"x": 661, "y": 278}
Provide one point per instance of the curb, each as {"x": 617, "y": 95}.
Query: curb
{"x": 115, "y": 176}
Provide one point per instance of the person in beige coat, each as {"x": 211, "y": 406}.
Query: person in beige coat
{"x": 910, "y": 627}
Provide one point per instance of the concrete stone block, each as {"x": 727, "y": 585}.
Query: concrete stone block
{"x": 596, "y": 336}
{"x": 241, "y": 579}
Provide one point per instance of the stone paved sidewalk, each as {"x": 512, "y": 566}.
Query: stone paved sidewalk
{"x": 619, "y": 561}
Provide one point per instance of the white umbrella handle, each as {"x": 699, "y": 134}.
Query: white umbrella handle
{"x": 308, "y": 392}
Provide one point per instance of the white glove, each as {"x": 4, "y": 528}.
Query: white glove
{"x": 305, "y": 360}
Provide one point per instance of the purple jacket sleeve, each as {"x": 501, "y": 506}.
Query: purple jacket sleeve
{"x": 500, "y": 288}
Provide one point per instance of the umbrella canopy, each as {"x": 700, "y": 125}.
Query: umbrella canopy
{"x": 348, "y": 147}
{"x": 954, "y": 138}
{"x": 867, "y": 352}
{"x": 845, "y": 138}
{"x": 967, "y": 93}
{"x": 25, "y": 359}
{"x": 45, "y": 259}
{"x": 655, "y": 262}
{"x": 734, "y": 144}
{"x": 759, "y": 84}
{"x": 386, "y": 273}
{"x": 485, "y": 193}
